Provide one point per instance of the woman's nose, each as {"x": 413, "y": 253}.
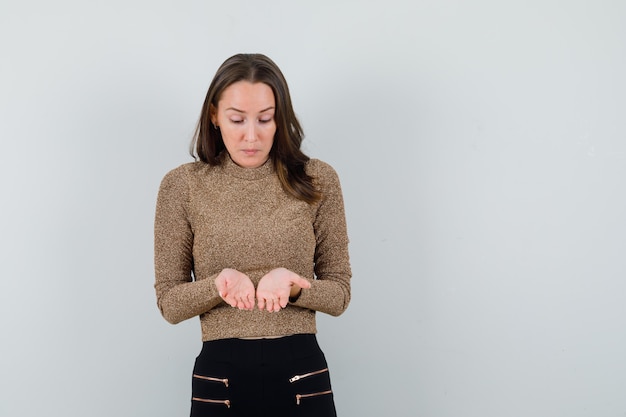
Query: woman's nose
{"x": 250, "y": 134}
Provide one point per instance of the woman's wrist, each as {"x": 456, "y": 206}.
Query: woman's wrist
{"x": 294, "y": 293}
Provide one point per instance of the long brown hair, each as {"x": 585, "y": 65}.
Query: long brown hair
{"x": 287, "y": 157}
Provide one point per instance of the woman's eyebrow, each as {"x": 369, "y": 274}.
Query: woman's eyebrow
{"x": 241, "y": 111}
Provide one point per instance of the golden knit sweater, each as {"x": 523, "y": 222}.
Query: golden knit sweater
{"x": 213, "y": 217}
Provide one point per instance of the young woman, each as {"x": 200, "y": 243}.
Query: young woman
{"x": 251, "y": 237}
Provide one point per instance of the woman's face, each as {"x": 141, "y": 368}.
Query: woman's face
{"x": 245, "y": 116}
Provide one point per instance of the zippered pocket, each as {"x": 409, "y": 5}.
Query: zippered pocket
{"x": 296, "y": 378}
{"x": 204, "y": 400}
{"x": 307, "y": 375}
{"x": 210, "y": 378}
{"x": 299, "y": 397}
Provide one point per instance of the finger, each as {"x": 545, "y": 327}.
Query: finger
{"x": 244, "y": 304}
{"x": 249, "y": 303}
{"x": 281, "y": 302}
{"x": 302, "y": 283}
{"x": 274, "y": 306}
{"x": 228, "y": 300}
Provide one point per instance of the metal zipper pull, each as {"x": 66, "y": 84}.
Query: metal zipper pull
{"x": 299, "y": 377}
{"x": 299, "y": 397}
{"x": 209, "y": 378}
{"x": 205, "y": 400}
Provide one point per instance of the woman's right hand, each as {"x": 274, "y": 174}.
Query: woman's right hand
{"x": 236, "y": 289}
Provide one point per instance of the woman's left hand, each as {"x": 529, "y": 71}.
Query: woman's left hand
{"x": 275, "y": 288}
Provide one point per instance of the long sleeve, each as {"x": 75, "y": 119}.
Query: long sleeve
{"x": 178, "y": 296}
{"x": 330, "y": 292}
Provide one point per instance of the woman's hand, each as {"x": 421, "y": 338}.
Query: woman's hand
{"x": 277, "y": 286}
{"x": 235, "y": 288}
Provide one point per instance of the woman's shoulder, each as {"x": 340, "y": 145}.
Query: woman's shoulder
{"x": 188, "y": 169}
{"x": 182, "y": 174}
{"x": 318, "y": 168}
{"x": 323, "y": 174}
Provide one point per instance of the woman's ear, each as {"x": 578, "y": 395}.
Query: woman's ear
{"x": 213, "y": 114}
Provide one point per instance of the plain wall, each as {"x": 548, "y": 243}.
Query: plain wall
{"x": 482, "y": 151}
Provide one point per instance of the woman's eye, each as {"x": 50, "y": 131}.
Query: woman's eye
{"x": 265, "y": 120}
{"x": 236, "y": 121}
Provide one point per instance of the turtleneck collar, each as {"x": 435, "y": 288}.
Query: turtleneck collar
{"x": 231, "y": 168}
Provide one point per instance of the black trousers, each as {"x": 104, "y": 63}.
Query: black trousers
{"x": 284, "y": 377}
